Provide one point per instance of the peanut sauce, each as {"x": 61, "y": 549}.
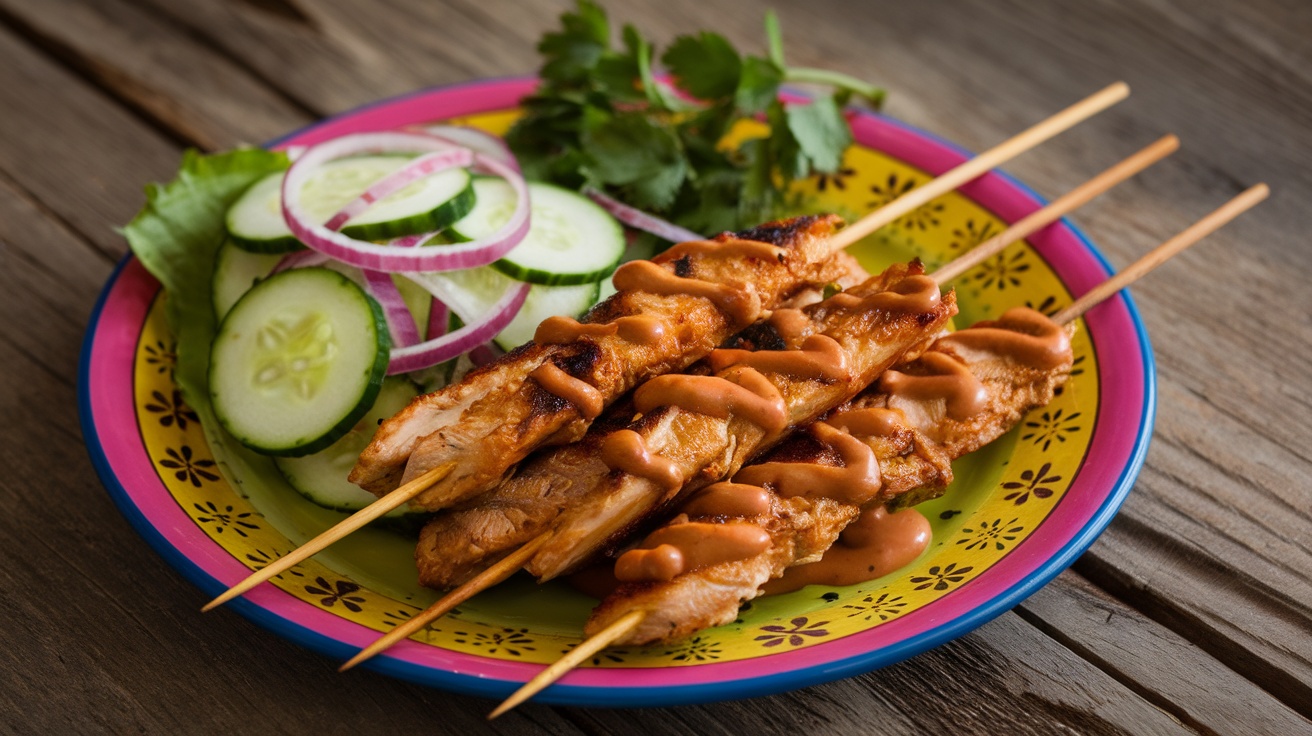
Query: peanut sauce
{"x": 876, "y": 544}
{"x": 638, "y": 329}
{"x": 870, "y": 422}
{"x": 790, "y": 324}
{"x": 821, "y": 357}
{"x": 741, "y": 303}
{"x": 911, "y": 294}
{"x": 727, "y": 498}
{"x": 742, "y": 391}
{"x": 949, "y": 380}
{"x": 1023, "y": 334}
{"x": 731, "y": 248}
{"x": 625, "y": 450}
{"x": 586, "y": 398}
{"x": 856, "y": 483}
{"x": 675, "y": 549}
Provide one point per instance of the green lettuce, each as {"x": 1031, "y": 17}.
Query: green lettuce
{"x": 176, "y": 236}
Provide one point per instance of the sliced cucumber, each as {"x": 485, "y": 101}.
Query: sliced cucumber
{"x": 472, "y": 292}
{"x": 255, "y": 221}
{"x": 321, "y": 477}
{"x": 570, "y": 239}
{"x": 297, "y": 361}
{"x": 235, "y": 272}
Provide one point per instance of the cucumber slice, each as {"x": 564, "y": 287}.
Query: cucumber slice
{"x": 472, "y": 292}
{"x": 570, "y": 240}
{"x": 297, "y": 361}
{"x": 321, "y": 477}
{"x": 255, "y": 220}
{"x": 235, "y": 272}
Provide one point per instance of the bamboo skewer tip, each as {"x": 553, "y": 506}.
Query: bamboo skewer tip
{"x": 350, "y": 524}
{"x": 618, "y": 629}
{"x": 504, "y": 568}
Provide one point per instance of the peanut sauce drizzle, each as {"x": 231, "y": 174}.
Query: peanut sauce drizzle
{"x": 741, "y": 303}
{"x": 741, "y": 391}
{"x": 790, "y": 324}
{"x": 856, "y": 482}
{"x": 638, "y": 329}
{"x": 949, "y": 380}
{"x": 820, "y": 357}
{"x": 732, "y": 248}
{"x": 727, "y": 498}
{"x": 911, "y": 294}
{"x": 670, "y": 550}
{"x": 625, "y": 450}
{"x": 585, "y": 397}
{"x": 1021, "y": 333}
{"x": 869, "y": 422}
{"x": 876, "y": 544}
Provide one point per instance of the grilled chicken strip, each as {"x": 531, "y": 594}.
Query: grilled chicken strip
{"x": 463, "y": 541}
{"x": 695, "y": 431}
{"x": 669, "y": 313}
{"x": 964, "y": 392}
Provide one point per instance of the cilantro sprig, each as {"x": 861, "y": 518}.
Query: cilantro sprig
{"x": 603, "y": 117}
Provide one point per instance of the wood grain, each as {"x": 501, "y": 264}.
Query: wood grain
{"x": 1190, "y": 614}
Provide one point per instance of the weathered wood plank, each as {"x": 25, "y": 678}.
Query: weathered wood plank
{"x": 81, "y": 155}
{"x": 195, "y": 93}
{"x": 1171, "y": 672}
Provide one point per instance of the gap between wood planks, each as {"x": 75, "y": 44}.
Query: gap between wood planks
{"x": 1280, "y": 684}
{"x": 100, "y": 77}
{"x": 30, "y": 199}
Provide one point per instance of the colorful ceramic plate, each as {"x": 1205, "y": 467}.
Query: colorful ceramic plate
{"x": 1020, "y": 512}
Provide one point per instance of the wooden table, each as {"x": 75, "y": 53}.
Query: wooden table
{"x": 1189, "y": 615}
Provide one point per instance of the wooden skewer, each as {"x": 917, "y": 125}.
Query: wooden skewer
{"x": 1020, "y": 230}
{"x": 477, "y": 584}
{"x": 1060, "y": 207}
{"x": 604, "y": 638}
{"x": 981, "y": 164}
{"x": 343, "y": 528}
{"x": 1157, "y": 256}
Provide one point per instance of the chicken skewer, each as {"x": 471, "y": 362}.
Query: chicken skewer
{"x": 480, "y": 465}
{"x": 614, "y": 622}
{"x": 505, "y": 528}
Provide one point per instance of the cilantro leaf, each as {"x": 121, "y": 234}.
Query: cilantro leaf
{"x": 758, "y": 85}
{"x": 572, "y": 52}
{"x": 602, "y": 116}
{"x": 821, "y": 133}
{"x": 705, "y": 66}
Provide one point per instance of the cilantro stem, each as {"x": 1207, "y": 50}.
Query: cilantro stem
{"x": 874, "y": 95}
{"x": 774, "y": 39}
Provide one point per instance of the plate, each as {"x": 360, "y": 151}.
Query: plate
{"x": 1020, "y": 511}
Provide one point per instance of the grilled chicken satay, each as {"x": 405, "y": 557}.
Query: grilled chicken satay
{"x": 695, "y": 430}
{"x": 669, "y": 313}
{"x": 463, "y": 541}
{"x": 894, "y": 441}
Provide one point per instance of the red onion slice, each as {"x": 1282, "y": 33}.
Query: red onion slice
{"x": 389, "y": 258}
{"x": 439, "y": 319}
{"x": 400, "y": 322}
{"x": 426, "y": 165}
{"x": 300, "y": 259}
{"x": 644, "y": 221}
{"x": 475, "y": 140}
{"x": 472, "y": 335}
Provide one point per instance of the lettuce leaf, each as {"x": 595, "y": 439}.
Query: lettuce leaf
{"x": 176, "y": 236}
